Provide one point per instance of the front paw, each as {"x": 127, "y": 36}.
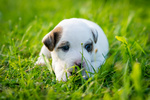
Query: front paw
{"x": 41, "y": 61}
{"x": 63, "y": 76}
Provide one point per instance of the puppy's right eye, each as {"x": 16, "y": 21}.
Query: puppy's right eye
{"x": 89, "y": 47}
{"x": 65, "y": 48}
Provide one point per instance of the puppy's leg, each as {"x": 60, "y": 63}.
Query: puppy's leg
{"x": 61, "y": 73}
{"x": 44, "y": 51}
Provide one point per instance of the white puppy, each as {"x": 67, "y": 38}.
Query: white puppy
{"x": 63, "y": 44}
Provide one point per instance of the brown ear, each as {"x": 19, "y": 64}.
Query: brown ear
{"x": 52, "y": 38}
{"x": 95, "y": 35}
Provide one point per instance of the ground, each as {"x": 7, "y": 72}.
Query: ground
{"x": 125, "y": 74}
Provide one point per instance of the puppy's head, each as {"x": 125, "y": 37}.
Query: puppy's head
{"x": 64, "y": 42}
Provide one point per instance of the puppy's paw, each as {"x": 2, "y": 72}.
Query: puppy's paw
{"x": 63, "y": 76}
{"x": 40, "y": 61}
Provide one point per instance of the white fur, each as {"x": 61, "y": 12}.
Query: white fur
{"x": 76, "y": 31}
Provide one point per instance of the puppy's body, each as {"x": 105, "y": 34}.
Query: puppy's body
{"x": 63, "y": 44}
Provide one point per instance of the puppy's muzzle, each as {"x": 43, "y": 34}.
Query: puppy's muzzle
{"x": 79, "y": 66}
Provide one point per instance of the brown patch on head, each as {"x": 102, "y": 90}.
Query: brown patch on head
{"x": 95, "y": 35}
{"x": 52, "y": 38}
{"x": 96, "y": 50}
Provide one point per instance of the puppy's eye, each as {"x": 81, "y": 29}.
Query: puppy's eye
{"x": 65, "y": 48}
{"x": 89, "y": 47}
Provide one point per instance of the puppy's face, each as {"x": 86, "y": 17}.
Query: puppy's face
{"x": 65, "y": 41}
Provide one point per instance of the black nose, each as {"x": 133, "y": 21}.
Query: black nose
{"x": 78, "y": 64}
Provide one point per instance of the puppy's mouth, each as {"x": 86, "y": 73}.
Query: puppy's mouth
{"x": 77, "y": 70}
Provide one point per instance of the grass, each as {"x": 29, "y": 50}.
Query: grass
{"x": 125, "y": 74}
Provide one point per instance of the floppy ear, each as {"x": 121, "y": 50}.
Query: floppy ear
{"x": 95, "y": 35}
{"x": 51, "y": 39}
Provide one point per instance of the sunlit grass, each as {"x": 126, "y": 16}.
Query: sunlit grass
{"x": 125, "y": 74}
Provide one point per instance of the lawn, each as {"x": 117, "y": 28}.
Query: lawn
{"x": 125, "y": 74}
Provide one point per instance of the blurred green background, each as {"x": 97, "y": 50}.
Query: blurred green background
{"x": 111, "y": 12}
{"x": 125, "y": 75}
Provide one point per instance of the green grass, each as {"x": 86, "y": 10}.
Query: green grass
{"x": 125, "y": 74}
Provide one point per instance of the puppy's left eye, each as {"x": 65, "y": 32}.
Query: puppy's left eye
{"x": 65, "y": 48}
{"x": 89, "y": 47}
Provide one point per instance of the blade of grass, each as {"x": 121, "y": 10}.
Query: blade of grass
{"x": 48, "y": 65}
{"x": 123, "y": 40}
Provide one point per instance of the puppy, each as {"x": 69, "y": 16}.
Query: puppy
{"x": 72, "y": 42}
